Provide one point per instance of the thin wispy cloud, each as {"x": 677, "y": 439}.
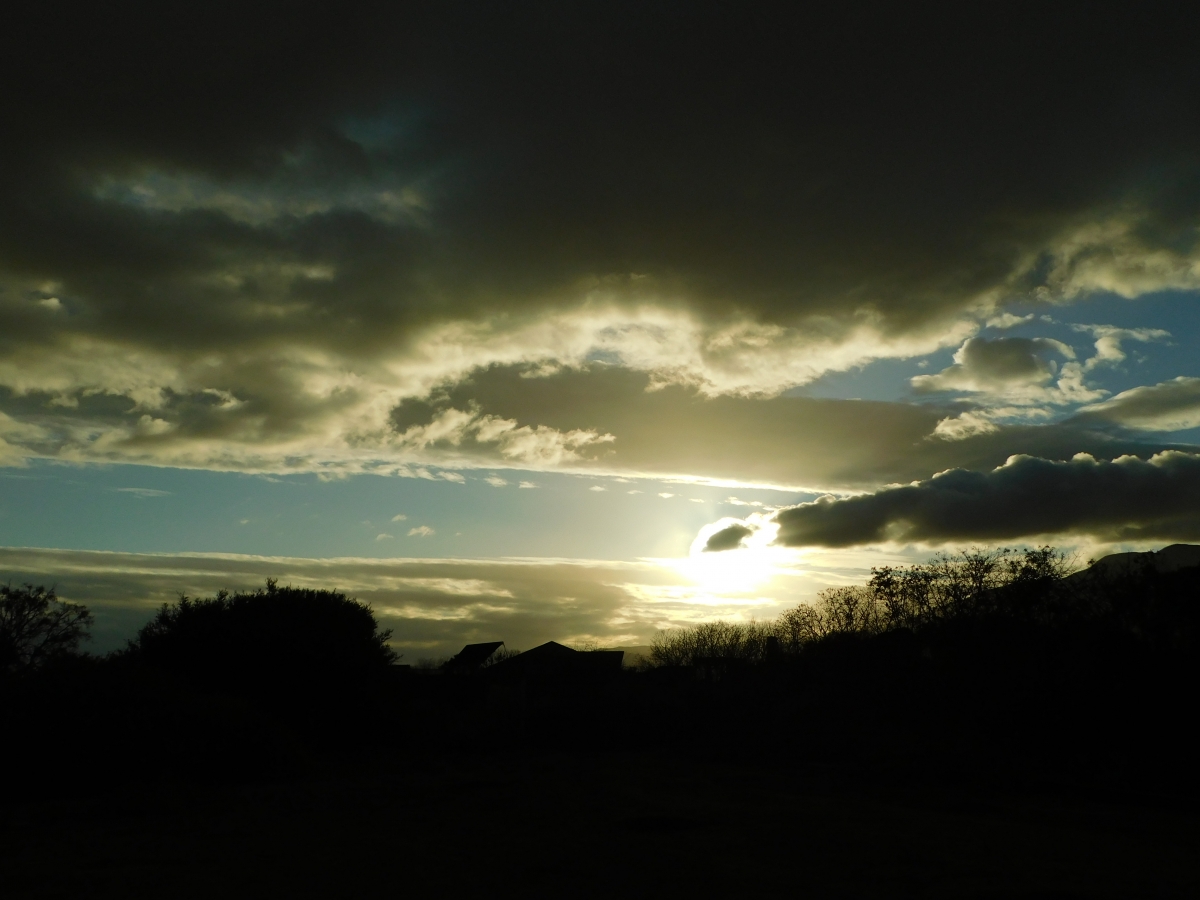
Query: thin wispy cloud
{"x": 433, "y": 606}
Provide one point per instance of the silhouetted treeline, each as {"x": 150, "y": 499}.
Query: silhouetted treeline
{"x": 989, "y": 665}
{"x": 977, "y": 584}
{"x": 1000, "y": 667}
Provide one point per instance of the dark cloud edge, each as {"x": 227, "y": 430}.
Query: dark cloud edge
{"x": 1126, "y": 499}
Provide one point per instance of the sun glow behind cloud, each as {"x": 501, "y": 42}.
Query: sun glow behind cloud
{"x": 754, "y": 581}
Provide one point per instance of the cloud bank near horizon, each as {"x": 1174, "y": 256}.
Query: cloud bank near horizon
{"x": 434, "y": 606}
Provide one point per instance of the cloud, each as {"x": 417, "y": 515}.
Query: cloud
{"x": 728, "y": 538}
{"x": 383, "y": 537}
{"x": 800, "y": 443}
{"x": 258, "y": 204}
{"x": 1008, "y": 320}
{"x": 531, "y": 446}
{"x": 1109, "y": 338}
{"x": 964, "y": 425}
{"x": 985, "y": 420}
{"x": 527, "y": 485}
{"x": 143, "y": 493}
{"x": 1001, "y": 366}
{"x": 420, "y": 531}
{"x": 303, "y": 408}
{"x": 1140, "y": 248}
{"x": 1168, "y": 406}
{"x": 255, "y": 267}
{"x": 597, "y": 488}
{"x": 399, "y": 517}
{"x": 1126, "y": 499}
{"x": 1017, "y": 379}
{"x": 495, "y": 481}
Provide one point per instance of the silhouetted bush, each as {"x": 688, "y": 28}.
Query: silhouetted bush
{"x": 274, "y": 634}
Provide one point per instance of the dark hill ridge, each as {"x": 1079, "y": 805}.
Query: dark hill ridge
{"x": 1168, "y": 559}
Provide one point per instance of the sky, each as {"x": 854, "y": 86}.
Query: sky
{"x": 580, "y": 322}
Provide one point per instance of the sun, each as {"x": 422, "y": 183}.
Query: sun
{"x": 745, "y": 569}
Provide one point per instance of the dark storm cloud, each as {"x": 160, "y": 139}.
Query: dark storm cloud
{"x": 241, "y": 220}
{"x": 783, "y": 163}
{"x": 1125, "y": 499}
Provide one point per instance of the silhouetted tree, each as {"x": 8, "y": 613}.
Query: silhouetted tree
{"x": 970, "y": 583}
{"x": 281, "y": 633}
{"x": 36, "y": 627}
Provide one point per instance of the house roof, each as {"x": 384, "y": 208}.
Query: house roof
{"x": 472, "y": 656}
{"x": 554, "y": 658}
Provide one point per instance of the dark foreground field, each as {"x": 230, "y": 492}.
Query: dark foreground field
{"x": 635, "y": 824}
{"x": 931, "y": 734}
